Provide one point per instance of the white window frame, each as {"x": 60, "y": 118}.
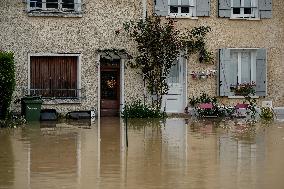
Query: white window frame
{"x": 252, "y": 64}
{"x": 192, "y": 9}
{"x": 254, "y": 7}
{"x": 44, "y": 8}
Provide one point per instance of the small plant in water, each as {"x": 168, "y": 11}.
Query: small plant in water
{"x": 267, "y": 114}
{"x": 137, "y": 109}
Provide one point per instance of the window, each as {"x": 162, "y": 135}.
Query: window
{"x": 173, "y": 76}
{"x": 181, "y": 8}
{"x": 54, "y": 5}
{"x": 244, "y": 65}
{"x": 54, "y": 76}
{"x": 238, "y": 66}
{"x": 244, "y": 8}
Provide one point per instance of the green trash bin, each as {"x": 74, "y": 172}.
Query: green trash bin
{"x": 31, "y": 107}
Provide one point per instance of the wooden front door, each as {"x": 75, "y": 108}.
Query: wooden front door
{"x": 110, "y": 88}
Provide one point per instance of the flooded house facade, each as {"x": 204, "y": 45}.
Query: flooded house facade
{"x": 74, "y": 53}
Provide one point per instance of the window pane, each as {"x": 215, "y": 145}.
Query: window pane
{"x": 68, "y": 4}
{"x": 247, "y": 3}
{"x": 236, "y": 3}
{"x": 185, "y": 2}
{"x": 184, "y": 9}
{"x": 247, "y": 10}
{"x": 173, "y": 76}
{"x": 236, "y": 10}
{"x": 35, "y": 3}
{"x": 52, "y": 4}
{"x": 246, "y": 66}
{"x": 173, "y": 9}
{"x": 173, "y": 2}
{"x": 234, "y": 68}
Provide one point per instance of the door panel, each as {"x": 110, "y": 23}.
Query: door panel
{"x": 110, "y": 90}
{"x": 173, "y": 102}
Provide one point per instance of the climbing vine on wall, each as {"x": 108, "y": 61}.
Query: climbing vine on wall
{"x": 159, "y": 44}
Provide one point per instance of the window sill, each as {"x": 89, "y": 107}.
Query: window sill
{"x": 183, "y": 17}
{"x": 53, "y": 101}
{"x": 55, "y": 14}
{"x": 241, "y": 97}
{"x": 251, "y": 19}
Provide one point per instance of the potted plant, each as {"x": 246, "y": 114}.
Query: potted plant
{"x": 243, "y": 89}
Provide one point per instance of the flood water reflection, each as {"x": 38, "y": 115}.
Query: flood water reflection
{"x": 177, "y": 153}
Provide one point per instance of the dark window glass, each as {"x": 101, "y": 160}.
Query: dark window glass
{"x": 109, "y": 85}
{"x": 184, "y": 9}
{"x": 52, "y": 4}
{"x": 173, "y": 9}
{"x": 236, "y": 10}
{"x": 36, "y": 3}
{"x": 247, "y": 11}
{"x": 68, "y": 4}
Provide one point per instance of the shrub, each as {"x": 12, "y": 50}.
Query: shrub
{"x": 7, "y": 82}
{"x": 138, "y": 110}
{"x": 267, "y": 113}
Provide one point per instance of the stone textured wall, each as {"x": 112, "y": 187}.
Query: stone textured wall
{"x": 96, "y": 28}
{"x": 226, "y": 33}
{"x": 24, "y": 34}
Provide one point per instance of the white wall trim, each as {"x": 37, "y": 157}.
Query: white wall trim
{"x": 99, "y": 85}
{"x": 122, "y": 61}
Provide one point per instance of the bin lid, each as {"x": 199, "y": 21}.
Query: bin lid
{"x": 32, "y": 99}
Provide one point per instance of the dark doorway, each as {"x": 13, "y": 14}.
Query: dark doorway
{"x": 110, "y": 87}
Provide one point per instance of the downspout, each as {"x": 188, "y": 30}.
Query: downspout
{"x": 144, "y": 9}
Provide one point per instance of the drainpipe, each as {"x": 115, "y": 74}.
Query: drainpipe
{"x": 144, "y": 5}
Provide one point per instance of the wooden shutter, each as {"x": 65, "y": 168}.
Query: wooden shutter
{"x": 261, "y": 72}
{"x": 54, "y": 76}
{"x": 224, "y": 8}
{"x": 265, "y": 8}
{"x": 161, "y": 7}
{"x": 203, "y": 8}
{"x": 227, "y": 73}
{"x": 78, "y": 5}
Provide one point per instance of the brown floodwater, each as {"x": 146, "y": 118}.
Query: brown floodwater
{"x": 177, "y": 153}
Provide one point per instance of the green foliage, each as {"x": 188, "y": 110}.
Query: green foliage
{"x": 219, "y": 111}
{"x": 12, "y": 121}
{"x": 243, "y": 89}
{"x": 159, "y": 44}
{"x": 194, "y": 41}
{"x": 203, "y": 98}
{"x": 7, "y": 82}
{"x": 138, "y": 110}
{"x": 267, "y": 113}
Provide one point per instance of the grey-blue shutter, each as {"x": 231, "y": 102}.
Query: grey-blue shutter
{"x": 265, "y": 8}
{"x": 224, "y": 8}
{"x": 227, "y": 72}
{"x": 203, "y": 8}
{"x": 161, "y": 7}
{"x": 260, "y": 72}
